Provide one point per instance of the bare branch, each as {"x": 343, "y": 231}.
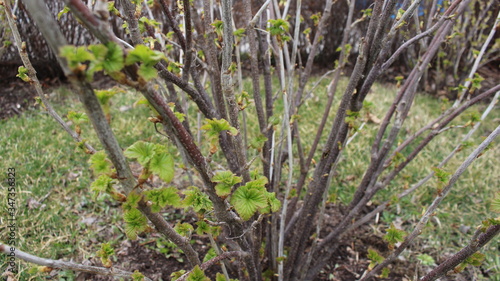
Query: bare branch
{"x": 475, "y": 244}
{"x": 433, "y": 207}
{"x": 65, "y": 265}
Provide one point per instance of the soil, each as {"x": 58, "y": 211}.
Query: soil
{"x": 349, "y": 262}
{"x": 16, "y": 96}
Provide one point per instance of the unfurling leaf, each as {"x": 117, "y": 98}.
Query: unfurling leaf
{"x": 142, "y": 151}
{"x": 258, "y": 142}
{"x": 210, "y": 255}
{"x": 78, "y": 117}
{"x": 163, "y": 197}
{"x": 137, "y": 276}
{"x": 65, "y": 10}
{"x": 101, "y": 184}
{"x": 394, "y": 235}
{"x": 225, "y": 181}
{"x": 135, "y": 222}
{"x": 374, "y": 257}
{"x": 214, "y": 127}
{"x": 132, "y": 202}
{"x": 426, "y": 259}
{"x": 22, "y": 72}
{"x": 105, "y": 253}
{"x": 184, "y": 229}
{"x": 99, "y": 164}
{"x": 197, "y": 274}
{"x": 273, "y": 203}
{"x": 108, "y": 57}
{"x": 197, "y": 200}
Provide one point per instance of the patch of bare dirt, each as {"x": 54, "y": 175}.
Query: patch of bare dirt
{"x": 15, "y": 97}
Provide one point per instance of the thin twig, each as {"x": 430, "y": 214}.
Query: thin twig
{"x": 34, "y": 80}
{"x": 65, "y": 265}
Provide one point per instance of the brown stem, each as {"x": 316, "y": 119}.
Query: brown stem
{"x": 463, "y": 254}
{"x": 173, "y": 23}
{"x": 318, "y": 185}
{"x": 65, "y": 265}
{"x": 188, "y": 53}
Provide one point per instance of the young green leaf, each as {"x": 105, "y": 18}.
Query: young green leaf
{"x": 374, "y": 257}
{"x": 112, "y": 9}
{"x": 75, "y": 55}
{"x": 279, "y": 28}
{"x": 274, "y": 203}
{"x": 65, "y": 10}
{"x": 143, "y": 54}
{"x": 316, "y": 17}
{"x": 475, "y": 259}
{"x": 133, "y": 199}
{"x": 147, "y": 71}
{"x": 163, "y": 197}
{"x": 137, "y": 276}
{"x": 442, "y": 176}
{"x": 226, "y": 180}
{"x": 247, "y": 201}
{"x": 214, "y": 127}
{"x": 394, "y": 235}
{"x": 100, "y": 164}
{"x": 102, "y": 184}
{"x": 210, "y": 255}
{"x": 78, "y": 117}
{"x": 385, "y": 272}
{"x": 177, "y": 274}
{"x": 162, "y": 164}
{"x": 197, "y": 275}
{"x": 135, "y": 222}
{"x": 22, "y": 72}
{"x": 220, "y": 277}
{"x": 142, "y": 151}
{"x": 148, "y": 59}
{"x": 184, "y": 229}
{"x": 258, "y": 142}
{"x": 143, "y": 21}
{"x": 475, "y": 82}
{"x": 197, "y": 200}
{"x": 109, "y": 57}
{"x": 258, "y": 182}
{"x": 202, "y": 227}
{"x": 239, "y": 33}
{"x": 105, "y": 253}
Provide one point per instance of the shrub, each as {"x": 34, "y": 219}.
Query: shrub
{"x": 264, "y": 190}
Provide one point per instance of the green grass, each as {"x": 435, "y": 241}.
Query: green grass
{"x": 49, "y": 167}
